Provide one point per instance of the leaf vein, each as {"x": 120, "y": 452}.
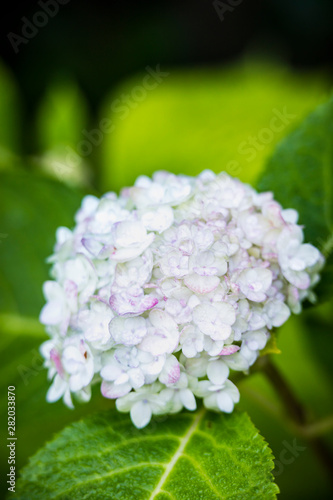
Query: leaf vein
{"x": 203, "y": 473}
{"x": 108, "y": 474}
{"x": 177, "y": 454}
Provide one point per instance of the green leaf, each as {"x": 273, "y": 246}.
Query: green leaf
{"x": 22, "y": 367}
{"x": 203, "y": 118}
{"x": 187, "y": 456}
{"x": 31, "y": 209}
{"x": 300, "y": 174}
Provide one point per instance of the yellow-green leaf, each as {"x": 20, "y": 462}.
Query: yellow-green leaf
{"x": 222, "y": 119}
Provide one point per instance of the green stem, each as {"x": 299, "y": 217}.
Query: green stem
{"x": 298, "y": 414}
{"x": 319, "y": 427}
{"x": 293, "y": 406}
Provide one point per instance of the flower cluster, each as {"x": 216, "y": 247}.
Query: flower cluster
{"x": 160, "y": 292}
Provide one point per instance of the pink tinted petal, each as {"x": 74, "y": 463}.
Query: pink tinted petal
{"x": 112, "y": 391}
{"x": 126, "y": 304}
{"x": 230, "y": 349}
{"x": 201, "y": 284}
{"x": 55, "y": 357}
{"x": 171, "y": 371}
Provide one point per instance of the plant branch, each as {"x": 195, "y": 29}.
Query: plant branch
{"x": 297, "y": 413}
{"x": 293, "y": 406}
{"x": 319, "y": 427}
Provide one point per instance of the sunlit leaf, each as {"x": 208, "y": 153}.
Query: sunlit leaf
{"x": 221, "y": 119}
{"x": 61, "y": 126}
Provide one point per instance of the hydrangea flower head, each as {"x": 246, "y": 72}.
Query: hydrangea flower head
{"x": 158, "y": 295}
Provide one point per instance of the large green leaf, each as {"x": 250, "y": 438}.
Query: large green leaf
{"x": 217, "y": 118}
{"x": 22, "y": 367}
{"x": 31, "y": 209}
{"x": 187, "y": 456}
{"x": 300, "y": 173}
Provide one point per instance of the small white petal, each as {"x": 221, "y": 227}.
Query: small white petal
{"x": 290, "y": 215}
{"x": 111, "y": 371}
{"x": 128, "y": 331}
{"x": 124, "y": 404}
{"x": 225, "y": 402}
{"x": 188, "y": 400}
{"x": 122, "y": 379}
{"x": 56, "y": 390}
{"x": 136, "y": 377}
{"x": 159, "y": 219}
{"x": 112, "y": 391}
{"x": 68, "y": 399}
{"x": 141, "y": 414}
{"x": 217, "y": 372}
{"x": 52, "y": 313}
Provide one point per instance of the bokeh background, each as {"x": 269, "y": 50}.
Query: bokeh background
{"x": 93, "y": 94}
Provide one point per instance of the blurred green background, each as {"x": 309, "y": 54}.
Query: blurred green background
{"x": 103, "y": 93}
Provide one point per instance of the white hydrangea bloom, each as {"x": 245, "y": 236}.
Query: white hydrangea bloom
{"x": 71, "y": 365}
{"x": 159, "y": 294}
